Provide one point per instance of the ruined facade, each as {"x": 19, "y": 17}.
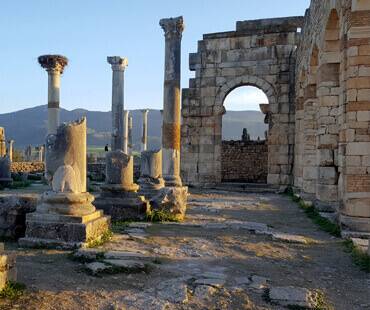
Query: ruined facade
{"x": 315, "y": 71}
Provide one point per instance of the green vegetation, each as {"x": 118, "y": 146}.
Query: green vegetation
{"x": 12, "y": 290}
{"x": 19, "y": 184}
{"x": 315, "y": 216}
{"x": 161, "y": 216}
{"x": 105, "y": 237}
{"x": 359, "y": 257}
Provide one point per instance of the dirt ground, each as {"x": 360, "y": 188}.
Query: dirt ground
{"x": 218, "y": 241}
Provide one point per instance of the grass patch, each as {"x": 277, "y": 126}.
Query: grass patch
{"x": 105, "y": 237}
{"x": 12, "y": 290}
{"x": 120, "y": 226}
{"x": 315, "y": 216}
{"x": 360, "y": 258}
{"x": 19, "y": 184}
{"x": 322, "y": 222}
{"x": 158, "y": 216}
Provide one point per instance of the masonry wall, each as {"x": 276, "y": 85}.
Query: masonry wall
{"x": 332, "y": 139}
{"x": 258, "y": 53}
{"x": 244, "y": 161}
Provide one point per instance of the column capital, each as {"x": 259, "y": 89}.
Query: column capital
{"x": 173, "y": 27}
{"x": 53, "y": 62}
{"x": 118, "y": 63}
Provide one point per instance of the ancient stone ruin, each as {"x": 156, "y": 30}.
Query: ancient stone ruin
{"x": 314, "y": 71}
{"x": 65, "y": 216}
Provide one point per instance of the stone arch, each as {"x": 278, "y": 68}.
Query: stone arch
{"x": 255, "y": 81}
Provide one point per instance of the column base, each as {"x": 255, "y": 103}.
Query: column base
{"x": 150, "y": 187}
{"x": 171, "y": 200}
{"x": 65, "y": 221}
{"x": 172, "y": 181}
{"x": 122, "y": 204}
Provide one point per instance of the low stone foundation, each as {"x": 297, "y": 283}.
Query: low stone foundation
{"x": 30, "y": 167}
{"x": 13, "y": 210}
{"x": 244, "y": 161}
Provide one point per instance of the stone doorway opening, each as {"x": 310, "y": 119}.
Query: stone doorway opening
{"x": 244, "y": 148}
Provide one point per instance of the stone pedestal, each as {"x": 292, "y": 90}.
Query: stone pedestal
{"x": 119, "y": 197}
{"x": 150, "y": 180}
{"x": 65, "y": 217}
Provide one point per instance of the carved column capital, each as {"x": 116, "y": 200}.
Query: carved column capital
{"x": 173, "y": 27}
{"x": 118, "y": 63}
{"x": 53, "y": 63}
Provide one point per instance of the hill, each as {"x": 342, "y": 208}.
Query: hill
{"x": 28, "y": 127}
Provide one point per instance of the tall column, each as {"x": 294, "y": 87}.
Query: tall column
{"x": 119, "y": 65}
{"x": 54, "y": 65}
{"x": 125, "y": 132}
{"x": 144, "y": 135}
{"x": 130, "y": 146}
{"x": 173, "y": 28}
{"x": 10, "y": 149}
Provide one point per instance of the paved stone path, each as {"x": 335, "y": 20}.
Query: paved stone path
{"x": 234, "y": 251}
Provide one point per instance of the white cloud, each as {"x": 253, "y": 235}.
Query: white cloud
{"x": 245, "y": 98}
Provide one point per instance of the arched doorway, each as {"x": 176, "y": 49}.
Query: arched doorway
{"x": 244, "y": 148}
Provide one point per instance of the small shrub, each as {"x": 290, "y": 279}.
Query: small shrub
{"x": 360, "y": 258}
{"x": 12, "y": 290}
{"x": 157, "y": 216}
{"x": 105, "y": 237}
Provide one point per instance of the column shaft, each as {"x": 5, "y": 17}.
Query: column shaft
{"x": 173, "y": 28}
{"x": 125, "y": 132}
{"x": 144, "y": 136}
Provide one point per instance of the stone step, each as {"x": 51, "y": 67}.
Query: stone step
{"x": 246, "y": 187}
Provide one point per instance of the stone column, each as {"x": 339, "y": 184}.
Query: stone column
{"x": 10, "y": 149}
{"x": 173, "y": 28}
{"x": 119, "y": 65}
{"x": 2, "y": 142}
{"x": 65, "y": 216}
{"x": 54, "y": 65}
{"x": 125, "y": 132}
{"x": 144, "y": 133}
{"x": 130, "y": 145}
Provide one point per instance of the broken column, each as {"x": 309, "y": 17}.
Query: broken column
{"x": 130, "y": 145}
{"x": 125, "y": 132}
{"x": 119, "y": 65}
{"x": 173, "y": 197}
{"x": 54, "y": 65}
{"x": 151, "y": 180}
{"x": 65, "y": 216}
{"x": 119, "y": 197}
{"x": 10, "y": 149}
{"x": 144, "y": 135}
{"x": 8, "y": 270}
{"x": 28, "y": 153}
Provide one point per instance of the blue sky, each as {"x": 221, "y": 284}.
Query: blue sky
{"x": 87, "y": 31}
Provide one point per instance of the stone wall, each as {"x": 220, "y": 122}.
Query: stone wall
{"x": 244, "y": 161}
{"x": 31, "y": 167}
{"x": 258, "y": 53}
{"x": 332, "y": 140}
